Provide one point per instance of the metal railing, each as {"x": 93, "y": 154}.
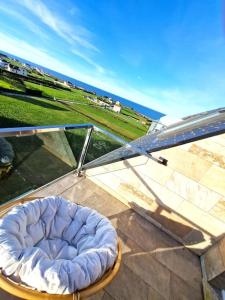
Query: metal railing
{"x": 52, "y": 151}
{"x": 29, "y": 131}
{"x": 188, "y": 129}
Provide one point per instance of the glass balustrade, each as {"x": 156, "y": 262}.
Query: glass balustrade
{"x": 100, "y": 144}
{"x": 29, "y": 162}
{"x": 31, "y": 158}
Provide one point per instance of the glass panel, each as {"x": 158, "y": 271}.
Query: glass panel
{"x": 100, "y": 144}
{"x": 76, "y": 139}
{"x": 29, "y": 162}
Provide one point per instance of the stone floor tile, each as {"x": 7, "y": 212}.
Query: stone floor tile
{"x": 145, "y": 266}
{"x": 172, "y": 222}
{"x": 131, "y": 225}
{"x": 192, "y": 191}
{"x": 153, "y": 295}
{"x": 214, "y": 267}
{"x": 98, "y": 296}
{"x": 218, "y": 210}
{"x": 5, "y": 296}
{"x": 214, "y": 179}
{"x": 210, "y": 151}
{"x": 128, "y": 286}
{"x": 201, "y": 219}
{"x": 182, "y": 291}
{"x": 178, "y": 158}
{"x": 107, "y": 296}
{"x": 179, "y": 262}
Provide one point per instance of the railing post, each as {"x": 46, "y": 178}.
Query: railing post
{"x": 84, "y": 151}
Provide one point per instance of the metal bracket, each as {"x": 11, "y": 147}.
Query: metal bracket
{"x": 84, "y": 152}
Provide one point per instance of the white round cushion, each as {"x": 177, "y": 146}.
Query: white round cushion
{"x": 55, "y": 245}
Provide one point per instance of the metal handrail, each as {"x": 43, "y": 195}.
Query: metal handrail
{"x": 24, "y": 131}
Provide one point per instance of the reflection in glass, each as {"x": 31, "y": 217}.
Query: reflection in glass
{"x": 33, "y": 161}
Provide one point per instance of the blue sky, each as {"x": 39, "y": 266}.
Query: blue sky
{"x": 166, "y": 55}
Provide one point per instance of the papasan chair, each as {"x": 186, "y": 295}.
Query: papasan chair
{"x": 51, "y": 248}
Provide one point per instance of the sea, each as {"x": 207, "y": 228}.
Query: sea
{"x": 148, "y": 112}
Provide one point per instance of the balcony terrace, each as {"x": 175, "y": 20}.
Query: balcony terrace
{"x": 168, "y": 207}
{"x": 154, "y": 266}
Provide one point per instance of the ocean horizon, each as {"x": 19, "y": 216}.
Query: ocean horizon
{"x": 148, "y": 112}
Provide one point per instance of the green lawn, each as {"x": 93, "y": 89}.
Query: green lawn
{"x": 23, "y": 111}
{"x": 11, "y": 84}
{"x": 76, "y": 109}
{"x": 20, "y": 110}
{"x": 124, "y": 125}
{"x": 59, "y": 93}
{"x": 5, "y": 84}
{"x": 29, "y": 111}
{"x": 71, "y": 107}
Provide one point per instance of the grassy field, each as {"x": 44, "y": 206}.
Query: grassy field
{"x": 59, "y": 93}
{"x": 11, "y": 84}
{"x": 33, "y": 164}
{"x": 20, "y": 110}
{"x": 59, "y": 105}
{"x": 75, "y": 109}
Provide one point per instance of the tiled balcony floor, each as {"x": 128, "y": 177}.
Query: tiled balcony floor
{"x": 154, "y": 266}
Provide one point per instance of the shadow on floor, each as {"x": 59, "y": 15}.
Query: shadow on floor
{"x": 181, "y": 228}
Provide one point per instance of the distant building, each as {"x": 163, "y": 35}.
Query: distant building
{"x": 19, "y": 71}
{"x": 89, "y": 98}
{"x": 90, "y": 92}
{"x": 95, "y": 100}
{"x": 70, "y": 84}
{"x": 5, "y": 65}
{"x": 40, "y": 71}
{"x": 79, "y": 88}
{"x": 66, "y": 83}
{"x": 26, "y": 66}
{"x": 15, "y": 69}
{"x": 2, "y": 64}
{"x": 22, "y": 71}
{"x": 116, "y": 107}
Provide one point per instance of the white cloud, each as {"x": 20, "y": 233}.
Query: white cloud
{"x": 175, "y": 102}
{"x": 31, "y": 26}
{"x": 90, "y": 61}
{"x": 75, "y": 34}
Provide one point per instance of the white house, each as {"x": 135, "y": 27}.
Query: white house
{"x": 13, "y": 69}
{"x": 17, "y": 70}
{"x": 4, "y": 65}
{"x": 116, "y": 107}
{"x": 26, "y": 66}
{"x": 40, "y": 71}
{"x": 22, "y": 71}
{"x": 65, "y": 83}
